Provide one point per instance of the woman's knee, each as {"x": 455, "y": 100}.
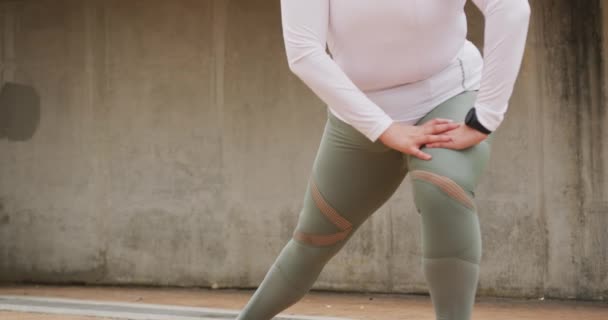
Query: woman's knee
{"x": 444, "y": 195}
{"x": 450, "y": 225}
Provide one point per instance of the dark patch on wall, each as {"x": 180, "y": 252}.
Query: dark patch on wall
{"x": 19, "y": 112}
{"x": 590, "y": 104}
{"x": 572, "y": 38}
{"x": 589, "y": 92}
{"x": 4, "y": 217}
{"x": 572, "y": 41}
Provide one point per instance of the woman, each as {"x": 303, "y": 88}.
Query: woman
{"x": 406, "y": 93}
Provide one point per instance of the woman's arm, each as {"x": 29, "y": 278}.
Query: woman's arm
{"x": 305, "y": 24}
{"x": 505, "y": 39}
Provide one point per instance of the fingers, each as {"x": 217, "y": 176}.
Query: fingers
{"x": 434, "y": 128}
{"x": 430, "y": 139}
{"x": 442, "y": 145}
{"x": 421, "y": 155}
{"x": 440, "y": 121}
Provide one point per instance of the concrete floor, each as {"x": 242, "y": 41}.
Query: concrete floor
{"x": 354, "y": 306}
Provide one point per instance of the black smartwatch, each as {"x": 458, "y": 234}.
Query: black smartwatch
{"x": 471, "y": 121}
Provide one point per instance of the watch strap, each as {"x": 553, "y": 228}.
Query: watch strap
{"x": 472, "y": 121}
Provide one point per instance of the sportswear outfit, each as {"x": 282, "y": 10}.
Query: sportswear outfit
{"x": 379, "y": 62}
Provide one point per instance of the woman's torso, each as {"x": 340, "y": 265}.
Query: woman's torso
{"x": 406, "y": 55}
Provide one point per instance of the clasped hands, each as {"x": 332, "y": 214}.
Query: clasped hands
{"x": 437, "y": 133}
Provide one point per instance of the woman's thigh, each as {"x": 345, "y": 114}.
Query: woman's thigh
{"x": 351, "y": 178}
{"x": 465, "y": 167}
{"x": 444, "y": 189}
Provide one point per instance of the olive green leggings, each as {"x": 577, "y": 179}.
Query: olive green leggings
{"x": 351, "y": 178}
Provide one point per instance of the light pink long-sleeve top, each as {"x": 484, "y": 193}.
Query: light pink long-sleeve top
{"x": 395, "y": 60}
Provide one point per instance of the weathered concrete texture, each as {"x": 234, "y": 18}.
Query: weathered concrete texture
{"x": 174, "y": 148}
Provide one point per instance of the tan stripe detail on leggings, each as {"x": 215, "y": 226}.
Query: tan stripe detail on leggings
{"x": 328, "y": 211}
{"x": 319, "y": 239}
{"x": 332, "y": 215}
{"x": 447, "y": 185}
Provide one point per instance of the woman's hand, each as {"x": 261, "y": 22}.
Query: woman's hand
{"x": 462, "y": 138}
{"x": 409, "y": 139}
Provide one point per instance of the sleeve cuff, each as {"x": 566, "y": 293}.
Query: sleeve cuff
{"x": 379, "y": 129}
{"x": 489, "y": 118}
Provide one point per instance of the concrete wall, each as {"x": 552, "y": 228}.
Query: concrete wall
{"x": 174, "y": 147}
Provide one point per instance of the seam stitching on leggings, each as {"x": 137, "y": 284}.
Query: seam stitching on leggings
{"x": 332, "y": 215}
{"x": 447, "y": 185}
{"x": 456, "y": 255}
{"x": 455, "y": 258}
